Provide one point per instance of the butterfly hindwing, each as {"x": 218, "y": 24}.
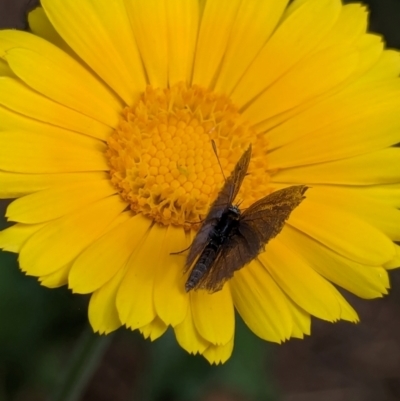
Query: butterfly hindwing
{"x": 241, "y": 248}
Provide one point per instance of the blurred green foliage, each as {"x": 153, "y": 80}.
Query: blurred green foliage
{"x": 38, "y": 327}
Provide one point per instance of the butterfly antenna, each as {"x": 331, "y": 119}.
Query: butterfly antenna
{"x": 214, "y": 146}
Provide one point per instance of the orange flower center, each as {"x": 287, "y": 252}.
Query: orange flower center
{"x": 161, "y": 158}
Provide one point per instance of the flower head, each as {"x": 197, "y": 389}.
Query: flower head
{"x": 107, "y": 115}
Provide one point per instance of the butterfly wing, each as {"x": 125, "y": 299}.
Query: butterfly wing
{"x": 258, "y": 224}
{"x": 231, "y": 187}
{"x": 240, "y": 249}
{"x": 221, "y": 203}
{"x": 267, "y": 216}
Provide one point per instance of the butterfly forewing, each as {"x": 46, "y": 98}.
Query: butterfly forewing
{"x": 267, "y": 216}
{"x": 231, "y": 187}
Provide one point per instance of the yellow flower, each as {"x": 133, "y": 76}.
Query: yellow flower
{"x": 107, "y": 112}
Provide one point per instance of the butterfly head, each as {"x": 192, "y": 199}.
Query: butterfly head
{"x": 234, "y": 211}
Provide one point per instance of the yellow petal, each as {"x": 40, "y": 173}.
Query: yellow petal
{"x": 58, "y": 201}
{"x": 40, "y": 26}
{"x": 367, "y": 169}
{"x": 213, "y": 315}
{"x": 188, "y": 337}
{"x": 14, "y": 185}
{"x": 395, "y": 262}
{"x": 261, "y": 303}
{"x": 303, "y": 27}
{"x": 388, "y": 194}
{"x": 306, "y": 81}
{"x": 19, "y": 98}
{"x": 301, "y": 283}
{"x": 170, "y": 299}
{"x": 347, "y": 312}
{"x": 385, "y": 218}
{"x": 60, "y": 79}
{"x": 217, "y": 354}
{"x": 342, "y": 232}
{"x": 301, "y": 320}
{"x": 61, "y": 240}
{"x": 5, "y": 70}
{"x": 387, "y": 67}
{"x": 135, "y": 298}
{"x": 333, "y": 113}
{"x": 12, "y": 238}
{"x": 10, "y": 119}
{"x": 182, "y": 21}
{"x": 57, "y": 278}
{"x": 105, "y": 257}
{"x": 351, "y": 24}
{"x": 375, "y": 128}
{"x": 149, "y": 25}
{"x": 253, "y": 25}
{"x": 370, "y": 47}
{"x": 25, "y": 152}
{"x": 363, "y": 280}
{"x": 103, "y": 314}
{"x": 154, "y": 330}
{"x": 213, "y": 39}
{"x": 109, "y": 47}
{"x": 59, "y": 76}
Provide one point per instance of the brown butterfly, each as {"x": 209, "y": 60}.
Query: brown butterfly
{"x": 229, "y": 239}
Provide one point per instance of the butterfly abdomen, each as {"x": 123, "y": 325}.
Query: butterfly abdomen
{"x": 217, "y": 238}
{"x": 204, "y": 262}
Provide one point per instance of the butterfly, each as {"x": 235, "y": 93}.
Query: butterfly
{"x": 228, "y": 238}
